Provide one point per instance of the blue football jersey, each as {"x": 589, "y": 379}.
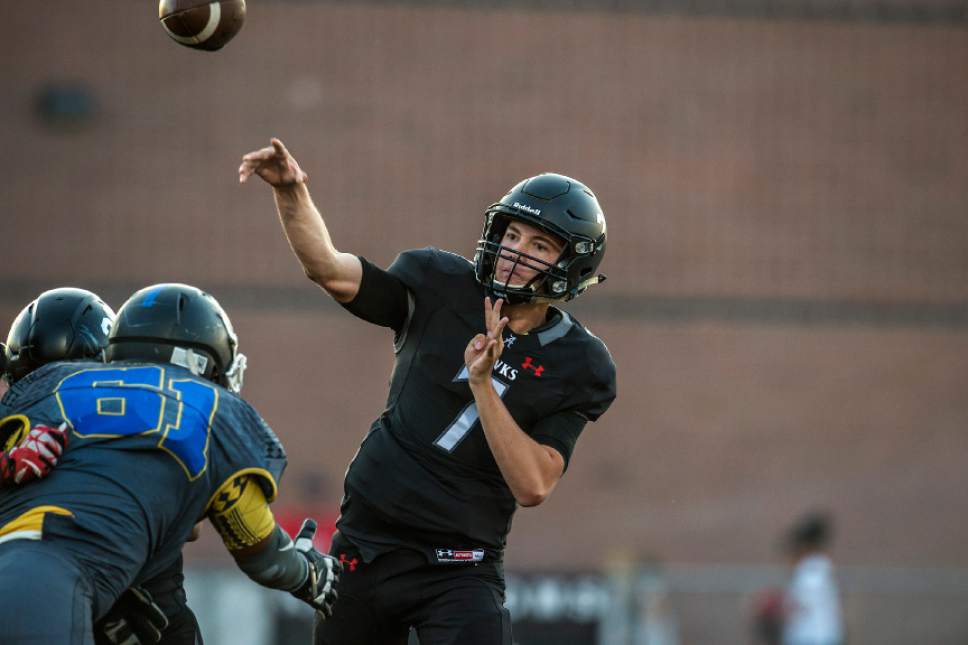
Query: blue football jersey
{"x": 151, "y": 444}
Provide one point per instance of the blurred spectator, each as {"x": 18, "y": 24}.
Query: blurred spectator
{"x": 768, "y": 617}
{"x": 640, "y": 611}
{"x": 811, "y": 604}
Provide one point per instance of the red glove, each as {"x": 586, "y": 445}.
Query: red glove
{"x": 35, "y": 457}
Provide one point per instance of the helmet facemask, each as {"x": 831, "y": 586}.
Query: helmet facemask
{"x": 490, "y": 252}
{"x": 561, "y": 207}
{"x": 232, "y": 375}
{"x": 551, "y": 281}
{"x": 232, "y": 379}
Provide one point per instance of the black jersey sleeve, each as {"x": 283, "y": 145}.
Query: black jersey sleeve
{"x": 560, "y": 431}
{"x": 382, "y": 299}
{"x": 595, "y": 396}
{"x": 587, "y": 403}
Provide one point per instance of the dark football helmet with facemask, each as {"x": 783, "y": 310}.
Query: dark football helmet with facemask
{"x": 556, "y": 204}
{"x": 60, "y": 325}
{"x": 182, "y": 325}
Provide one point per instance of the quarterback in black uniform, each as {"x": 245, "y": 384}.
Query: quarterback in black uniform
{"x": 485, "y": 404}
{"x": 159, "y": 440}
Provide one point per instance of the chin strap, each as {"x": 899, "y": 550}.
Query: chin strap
{"x": 189, "y": 359}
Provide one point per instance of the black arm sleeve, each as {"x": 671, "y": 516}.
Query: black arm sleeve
{"x": 560, "y": 431}
{"x": 382, "y": 299}
{"x": 277, "y": 565}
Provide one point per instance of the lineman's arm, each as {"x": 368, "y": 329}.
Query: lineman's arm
{"x": 264, "y": 552}
{"x": 337, "y": 272}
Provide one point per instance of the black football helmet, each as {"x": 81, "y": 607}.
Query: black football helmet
{"x": 179, "y": 324}
{"x": 558, "y": 205}
{"x": 61, "y": 324}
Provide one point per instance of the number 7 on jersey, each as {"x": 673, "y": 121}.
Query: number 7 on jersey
{"x": 451, "y": 437}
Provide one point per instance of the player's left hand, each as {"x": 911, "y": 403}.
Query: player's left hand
{"x": 35, "y": 457}
{"x": 483, "y": 350}
{"x": 134, "y": 619}
{"x": 319, "y": 590}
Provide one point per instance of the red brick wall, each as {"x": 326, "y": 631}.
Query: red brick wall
{"x": 760, "y": 158}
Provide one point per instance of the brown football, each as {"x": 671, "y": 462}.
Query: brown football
{"x": 202, "y": 24}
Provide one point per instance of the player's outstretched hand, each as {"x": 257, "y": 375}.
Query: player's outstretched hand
{"x": 35, "y": 456}
{"x": 319, "y": 590}
{"x": 274, "y": 164}
{"x": 483, "y": 350}
{"x": 134, "y": 619}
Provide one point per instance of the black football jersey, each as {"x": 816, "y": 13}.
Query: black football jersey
{"x": 424, "y": 476}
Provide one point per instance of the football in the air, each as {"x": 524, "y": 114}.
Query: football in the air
{"x": 202, "y": 24}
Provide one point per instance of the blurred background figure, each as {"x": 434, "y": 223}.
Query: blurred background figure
{"x": 768, "y": 617}
{"x": 640, "y": 611}
{"x": 811, "y": 604}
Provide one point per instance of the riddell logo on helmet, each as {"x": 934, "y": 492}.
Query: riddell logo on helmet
{"x": 525, "y": 207}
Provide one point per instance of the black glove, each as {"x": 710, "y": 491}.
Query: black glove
{"x": 134, "y": 619}
{"x": 319, "y": 590}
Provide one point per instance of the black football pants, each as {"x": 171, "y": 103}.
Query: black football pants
{"x": 459, "y": 604}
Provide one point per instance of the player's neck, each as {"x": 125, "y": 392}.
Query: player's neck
{"x": 524, "y": 317}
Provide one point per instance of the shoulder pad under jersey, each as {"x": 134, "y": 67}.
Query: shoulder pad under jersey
{"x": 251, "y": 443}
{"x": 422, "y": 268}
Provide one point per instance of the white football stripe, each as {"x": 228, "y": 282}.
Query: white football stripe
{"x": 214, "y": 15}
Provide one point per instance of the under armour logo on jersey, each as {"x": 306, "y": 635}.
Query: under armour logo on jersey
{"x": 350, "y": 564}
{"x": 460, "y": 555}
{"x": 509, "y": 340}
{"x": 528, "y": 364}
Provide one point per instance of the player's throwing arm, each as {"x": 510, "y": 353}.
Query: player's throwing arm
{"x": 336, "y": 272}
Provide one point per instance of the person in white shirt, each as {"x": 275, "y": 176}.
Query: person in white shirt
{"x": 812, "y": 605}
